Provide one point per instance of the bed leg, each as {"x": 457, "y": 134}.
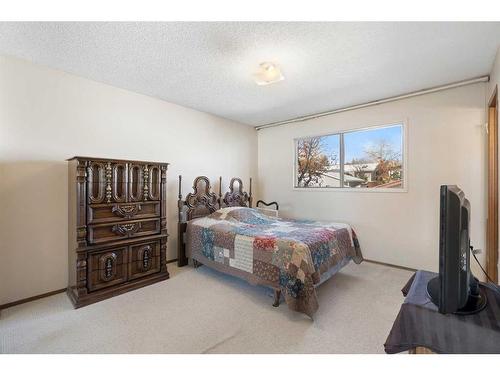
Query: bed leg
{"x": 196, "y": 264}
{"x": 277, "y": 296}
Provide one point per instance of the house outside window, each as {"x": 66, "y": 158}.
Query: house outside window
{"x": 370, "y": 158}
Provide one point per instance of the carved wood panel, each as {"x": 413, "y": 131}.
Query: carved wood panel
{"x": 81, "y": 203}
{"x": 103, "y": 213}
{"x": 101, "y": 233}
{"x": 236, "y": 196}
{"x": 107, "y": 268}
{"x": 119, "y": 184}
{"x": 154, "y": 183}
{"x": 81, "y": 274}
{"x": 135, "y": 182}
{"x": 163, "y": 201}
{"x": 144, "y": 259}
{"x": 96, "y": 182}
{"x": 202, "y": 201}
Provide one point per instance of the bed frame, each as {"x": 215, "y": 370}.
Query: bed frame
{"x": 202, "y": 202}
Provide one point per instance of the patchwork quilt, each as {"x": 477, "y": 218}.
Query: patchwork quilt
{"x": 288, "y": 254}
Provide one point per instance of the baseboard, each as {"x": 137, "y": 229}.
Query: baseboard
{"x": 390, "y": 265}
{"x": 105, "y": 293}
{"x": 29, "y": 299}
{"x": 48, "y": 294}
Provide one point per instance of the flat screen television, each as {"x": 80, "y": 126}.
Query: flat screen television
{"x": 455, "y": 290}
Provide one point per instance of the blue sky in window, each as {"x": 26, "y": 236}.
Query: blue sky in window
{"x": 330, "y": 146}
{"x": 356, "y": 142}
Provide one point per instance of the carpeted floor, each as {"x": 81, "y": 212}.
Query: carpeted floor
{"x": 202, "y": 311}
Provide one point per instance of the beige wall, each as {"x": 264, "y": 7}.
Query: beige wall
{"x": 446, "y": 145}
{"x": 47, "y": 116}
{"x": 494, "y": 82}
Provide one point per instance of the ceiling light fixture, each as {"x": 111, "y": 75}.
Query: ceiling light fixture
{"x": 268, "y": 73}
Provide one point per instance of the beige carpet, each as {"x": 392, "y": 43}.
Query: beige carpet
{"x": 202, "y": 311}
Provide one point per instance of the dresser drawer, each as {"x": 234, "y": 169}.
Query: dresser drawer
{"x": 107, "y": 268}
{"x": 144, "y": 259}
{"x": 105, "y": 213}
{"x": 100, "y": 233}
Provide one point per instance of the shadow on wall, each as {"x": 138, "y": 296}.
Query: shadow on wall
{"x": 34, "y": 228}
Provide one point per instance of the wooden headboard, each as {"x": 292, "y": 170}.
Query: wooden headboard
{"x": 236, "y": 197}
{"x": 202, "y": 202}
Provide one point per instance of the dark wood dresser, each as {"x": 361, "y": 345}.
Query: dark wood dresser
{"x": 117, "y": 227}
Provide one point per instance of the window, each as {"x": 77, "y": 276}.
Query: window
{"x": 362, "y": 159}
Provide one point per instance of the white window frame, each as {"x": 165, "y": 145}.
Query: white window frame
{"x": 404, "y": 146}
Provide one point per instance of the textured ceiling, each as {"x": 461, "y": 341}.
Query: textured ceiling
{"x": 209, "y": 66}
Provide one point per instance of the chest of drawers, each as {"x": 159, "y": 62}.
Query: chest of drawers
{"x": 117, "y": 238}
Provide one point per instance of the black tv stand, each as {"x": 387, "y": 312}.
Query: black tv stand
{"x": 476, "y": 301}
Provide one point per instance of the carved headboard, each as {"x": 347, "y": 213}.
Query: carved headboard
{"x": 202, "y": 202}
{"x": 236, "y": 197}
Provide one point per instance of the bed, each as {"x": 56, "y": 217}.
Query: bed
{"x": 292, "y": 257}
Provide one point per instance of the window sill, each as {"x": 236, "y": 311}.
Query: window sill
{"x": 360, "y": 190}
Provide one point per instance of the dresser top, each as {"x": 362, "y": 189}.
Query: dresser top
{"x": 115, "y": 160}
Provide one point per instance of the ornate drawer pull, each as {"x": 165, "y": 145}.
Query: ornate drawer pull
{"x": 126, "y": 229}
{"x": 126, "y": 211}
{"x": 108, "y": 266}
{"x": 108, "y": 271}
{"x": 145, "y": 254}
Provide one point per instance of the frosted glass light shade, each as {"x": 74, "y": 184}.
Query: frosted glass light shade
{"x": 268, "y": 73}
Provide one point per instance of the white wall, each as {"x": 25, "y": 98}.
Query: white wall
{"x": 47, "y": 116}
{"x": 494, "y": 82}
{"x": 447, "y": 145}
